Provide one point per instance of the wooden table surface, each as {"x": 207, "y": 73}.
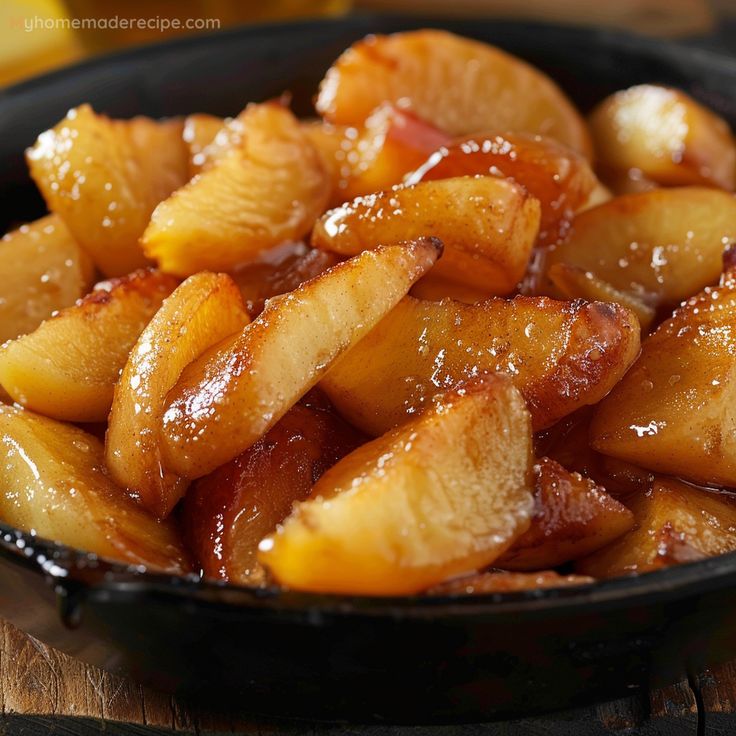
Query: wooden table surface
{"x": 42, "y": 691}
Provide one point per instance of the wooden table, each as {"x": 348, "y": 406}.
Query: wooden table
{"x": 45, "y": 692}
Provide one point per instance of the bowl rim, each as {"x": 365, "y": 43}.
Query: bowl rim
{"x": 71, "y": 570}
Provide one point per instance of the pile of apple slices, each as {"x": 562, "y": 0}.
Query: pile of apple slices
{"x": 425, "y": 342}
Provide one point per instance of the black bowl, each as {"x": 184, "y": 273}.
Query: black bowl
{"x": 401, "y": 659}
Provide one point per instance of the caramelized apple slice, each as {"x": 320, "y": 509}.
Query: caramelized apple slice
{"x": 488, "y": 227}
{"x": 335, "y": 144}
{"x": 269, "y": 189}
{"x": 508, "y": 582}
{"x": 558, "y": 177}
{"x": 199, "y": 132}
{"x": 561, "y": 356}
{"x": 228, "y": 137}
{"x": 279, "y": 271}
{"x": 456, "y": 84}
{"x": 675, "y": 523}
{"x": 67, "y": 367}
{"x": 572, "y": 517}
{"x": 674, "y": 411}
{"x": 659, "y": 246}
{"x": 599, "y": 195}
{"x": 568, "y": 443}
{"x": 60, "y": 491}
{"x": 204, "y": 310}
{"x": 575, "y": 283}
{"x": 392, "y": 143}
{"x": 104, "y": 177}
{"x": 227, "y": 513}
{"x": 42, "y": 269}
{"x": 410, "y": 509}
{"x": 248, "y": 383}
{"x": 665, "y": 134}
{"x": 376, "y": 155}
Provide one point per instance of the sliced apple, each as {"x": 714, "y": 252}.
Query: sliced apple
{"x": 227, "y": 513}
{"x": 231, "y": 396}
{"x": 675, "y": 411}
{"x": 336, "y": 145}
{"x": 42, "y": 269}
{"x": 204, "y": 310}
{"x": 488, "y": 227}
{"x": 269, "y": 189}
{"x": 104, "y": 177}
{"x": 675, "y": 523}
{"x": 393, "y": 142}
{"x": 561, "y": 356}
{"x": 568, "y": 443}
{"x": 599, "y": 195}
{"x": 665, "y": 134}
{"x": 575, "y": 283}
{"x": 410, "y": 509}
{"x": 61, "y": 492}
{"x": 572, "y": 518}
{"x": 508, "y": 582}
{"x": 557, "y": 176}
{"x": 199, "y": 132}
{"x": 659, "y": 246}
{"x": 67, "y": 367}
{"x": 278, "y": 271}
{"x": 458, "y": 85}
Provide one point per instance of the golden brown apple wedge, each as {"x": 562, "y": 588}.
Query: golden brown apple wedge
{"x": 574, "y": 283}
{"x": 599, "y": 195}
{"x": 508, "y": 582}
{"x": 666, "y": 135}
{"x": 60, "y": 491}
{"x": 67, "y": 367}
{"x": 675, "y": 411}
{"x": 42, "y": 269}
{"x": 227, "y": 513}
{"x": 104, "y": 177}
{"x": 201, "y": 312}
{"x": 557, "y": 176}
{"x": 488, "y": 227}
{"x": 279, "y": 271}
{"x": 675, "y": 523}
{"x": 458, "y": 85}
{"x": 572, "y": 518}
{"x": 659, "y": 246}
{"x": 208, "y": 139}
{"x": 410, "y": 509}
{"x": 560, "y": 355}
{"x": 390, "y": 144}
{"x": 231, "y": 396}
{"x": 335, "y": 144}
{"x": 269, "y": 189}
{"x": 568, "y": 443}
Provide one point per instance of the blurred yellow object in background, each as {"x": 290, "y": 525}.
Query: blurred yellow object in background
{"x": 27, "y": 46}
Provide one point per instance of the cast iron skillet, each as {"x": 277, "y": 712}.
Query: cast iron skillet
{"x": 403, "y": 659}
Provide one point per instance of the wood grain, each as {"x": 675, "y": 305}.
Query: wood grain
{"x": 43, "y": 691}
